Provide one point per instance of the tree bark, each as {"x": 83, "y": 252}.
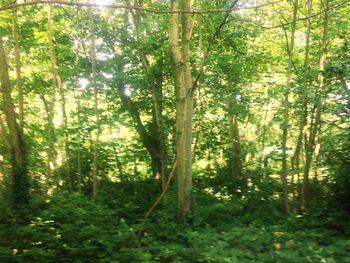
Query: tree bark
{"x": 290, "y": 50}
{"x": 79, "y": 161}
{"x": 59, "y": 87}
{"x": 303, "y": 117}
{"x": 154, "y": 81}
{"x": 96, "y": 110}
{"x": 17, "y": 53}
{"x": 315, "y": 126}
{"x": 184, "y": 108}
{"x": 20, "y": 180}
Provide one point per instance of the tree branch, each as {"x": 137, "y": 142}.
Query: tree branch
{"x": 3, "y": 134}
{"x": 139, "y": 8}
{"x": 210, "y": 43}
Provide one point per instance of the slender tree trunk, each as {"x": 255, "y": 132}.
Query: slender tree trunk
{"x": 185, "y": 48}
{"x": 20, "y": 180}
{"x": 315, "y": 126}
{"x": 78, "y": 115}
{"x": 317, "y": 171}
{"x": 59, "y": 86}
{"x": 17, "y": 53}
{"x": 304, "y": 99}
{"x": 3, "y": 134}
{"x": 5, "y": 141}
{"x": 97, "y": 115}
{"x": 284, "y": 172}
{"x": 184, "y": 108}
{"x": 198, "y": 106}
{"x": 2, "y": 168}
{"x": 79, "y": 161}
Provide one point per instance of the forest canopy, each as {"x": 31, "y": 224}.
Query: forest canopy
{"x": 174, "y": 131}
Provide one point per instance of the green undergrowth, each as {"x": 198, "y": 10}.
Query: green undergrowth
{"x": 249, "y": 228}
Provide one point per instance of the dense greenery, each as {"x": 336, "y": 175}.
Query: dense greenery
{"x": 73, "y": 228}
{"x": 131, "y": 131}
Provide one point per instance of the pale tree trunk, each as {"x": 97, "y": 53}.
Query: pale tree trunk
{"x": 290, "y": 50}
{"x": 5, "y": 141}
{"x": 79, "y": 161}
{"x": 304, "y": 99}
{"x": 317, "y": 171}
{"x": 248, "y": 154}
{"x": 184, "y": 108}
{"x": 78, "y": 115}
{"x": 17, "y": 53}
{"x": 315, "y": 126}
{"x": 185, "y": 48}
{"x": 20, "y": 181}
{"x": 59, "y": 86}
{"x": 2, "y": 168}
{"x": 97, "y": 115}
{"x": 198, "y": 106}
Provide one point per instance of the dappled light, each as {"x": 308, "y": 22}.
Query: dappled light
{"x": 174, "y": 131}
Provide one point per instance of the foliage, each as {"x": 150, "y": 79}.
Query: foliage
{"x": 72, "y": 228}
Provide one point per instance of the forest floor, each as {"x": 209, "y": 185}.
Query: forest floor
{"x": 221, "y": 228}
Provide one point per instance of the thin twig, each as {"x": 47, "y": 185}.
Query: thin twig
{"x": 311, "y": 16}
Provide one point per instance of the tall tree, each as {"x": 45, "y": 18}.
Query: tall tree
{"x": 58, "y": 85}
{"x": 96, "y": 110}
{"x": 17, "y": 53}
{"x": 20, "y": 180}
{"x": 290, "y": 50}
{"x": 180, "y": 54}
{"x": 315, "y": 125}
{"x": 304, "y": 100}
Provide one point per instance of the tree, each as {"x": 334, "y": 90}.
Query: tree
{"x": 290, "y": 50}
{"x": 18, "y": 155}
{"x": 59, "y": 87}
{"x": 184, "y": 108}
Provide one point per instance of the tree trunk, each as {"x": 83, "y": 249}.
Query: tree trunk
{"x": 303, "y": 121}
{"x": 97, "y": 115}
{"x": 2, "y": 168}
{"x": 290, "y": 50}
{"x": 184, "y": 108}
{"x": 20, "y": 181}
{"x": 79, "y": 161}
{"x": 17, "y": 54}
{"x": 315, "y": 126}
{"x": 304, "y": 99}
{"x": 59, "y": 86}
